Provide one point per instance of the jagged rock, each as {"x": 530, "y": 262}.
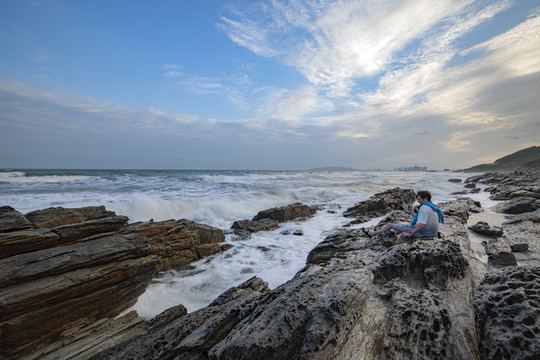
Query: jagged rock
{"x": 483, "y": 228}
{"x": 524, "y": 229}
{"x": 54, "y": 217}
{"x": 518, "y": 206}
{"x": 253, "y": 226}
{"x": 68, "y": 272}
{"x": 85, "y": 340}
{"x": 11, "y": 220}
{"x": 460, "y": 208}
{"x": 469, "y": 186}
{"x": 512, "y": 192}
{"x": 194, "y": 333}
{"x": 355, "y": 299}
{"x": 455, "y": 180}
{"x": 382, "y": 203}
{"x": 507, "y": 311}
{"x": 287, "y": 213}
{"x": 179, "y": 242}
{"x": 167, "y": 316}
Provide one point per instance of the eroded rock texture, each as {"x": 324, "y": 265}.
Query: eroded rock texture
{"x": 507, "y": 307}
{"x": 357, "y": 298}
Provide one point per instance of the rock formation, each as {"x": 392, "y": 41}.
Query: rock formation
{"x": 66, "y": 273}
{"x": 360, "y": 298}
{"x": 382, "y": 203}
{"x": 180, "y": 242}
{"x": 269, "y": 219}
{"x": 357, "y": 297}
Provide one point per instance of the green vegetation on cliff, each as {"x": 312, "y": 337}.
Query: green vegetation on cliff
{"x": 523, "y": 159}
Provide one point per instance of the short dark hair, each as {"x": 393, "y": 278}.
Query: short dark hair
{"x": 424, "y": 194}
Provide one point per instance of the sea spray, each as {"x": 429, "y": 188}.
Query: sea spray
{"x": 218, "y": 198}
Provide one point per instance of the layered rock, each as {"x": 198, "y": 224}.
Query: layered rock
{"x": 56, "y": 280}
{"x": 66, "y": 273}
{"x": 180, "y": 242}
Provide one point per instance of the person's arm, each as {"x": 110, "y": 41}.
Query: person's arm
{"x": 411, "y": 210}
{"x": 415, "y": 230}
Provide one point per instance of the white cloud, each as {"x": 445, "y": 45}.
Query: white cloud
{"x": 334, "y": 43}
{"x": 292, "y": 106}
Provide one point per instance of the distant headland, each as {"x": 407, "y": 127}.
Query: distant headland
{"x": 525, "y": 159}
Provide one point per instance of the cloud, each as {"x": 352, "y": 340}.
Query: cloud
{"x": 334, "y": 43}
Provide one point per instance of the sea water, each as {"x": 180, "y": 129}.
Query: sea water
{"x": 218, "y": 198}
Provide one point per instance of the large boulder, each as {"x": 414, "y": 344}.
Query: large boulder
{"x": 287, "y": 213}
{"x": 518, "y": 205}
{"x": 382, "y": 203}
{"x": 180, "y": 242}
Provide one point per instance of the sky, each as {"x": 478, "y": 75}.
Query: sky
{"x": 277, "y": 85}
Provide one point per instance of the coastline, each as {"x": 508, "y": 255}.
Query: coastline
{"x": 327, "y": 257}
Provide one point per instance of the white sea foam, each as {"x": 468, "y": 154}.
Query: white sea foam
{"x": 21, "y": 177}
{"x": 217, "y": 198}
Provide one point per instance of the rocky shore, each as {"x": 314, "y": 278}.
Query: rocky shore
{"x": 473, "y": 292}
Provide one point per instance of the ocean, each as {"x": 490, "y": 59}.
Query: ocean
{"x": 218, "y": 198}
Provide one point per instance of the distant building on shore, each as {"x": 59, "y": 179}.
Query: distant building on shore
{"x": 411, "y": 168}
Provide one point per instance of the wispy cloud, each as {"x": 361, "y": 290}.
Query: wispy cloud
{"x": 414, "y": 49}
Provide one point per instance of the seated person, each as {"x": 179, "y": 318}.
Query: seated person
{"x": 425, "y": 222}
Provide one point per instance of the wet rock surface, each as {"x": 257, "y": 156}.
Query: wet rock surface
{"x": 269, "y": 219}
{"x": 287, "y": 213}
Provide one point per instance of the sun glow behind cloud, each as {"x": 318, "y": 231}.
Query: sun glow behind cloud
{"x": 410, "y": 46}
{"x": 299, "y": 80}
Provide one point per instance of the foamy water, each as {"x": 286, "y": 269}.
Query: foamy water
{"x": 218, "y": 198}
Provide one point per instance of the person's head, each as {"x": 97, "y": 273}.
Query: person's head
{"x": 423, "y": 197}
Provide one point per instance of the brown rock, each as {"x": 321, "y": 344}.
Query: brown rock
{"x": 50, "y": 292}
{"x": 253, "y": 226}
{"x": 54, "y": 217}
{"x": 179, "y": 242}
{"x": 287, "y": 213}
{"x": 382, "y": 203}
{"x": 84, "y": 230}
{"x": 11, "y": 220}
{"x": 24, "y": 241}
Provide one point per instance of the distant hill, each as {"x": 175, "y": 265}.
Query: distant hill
{"x": 523, "y": 159}
{"x": 333, "y": 168}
